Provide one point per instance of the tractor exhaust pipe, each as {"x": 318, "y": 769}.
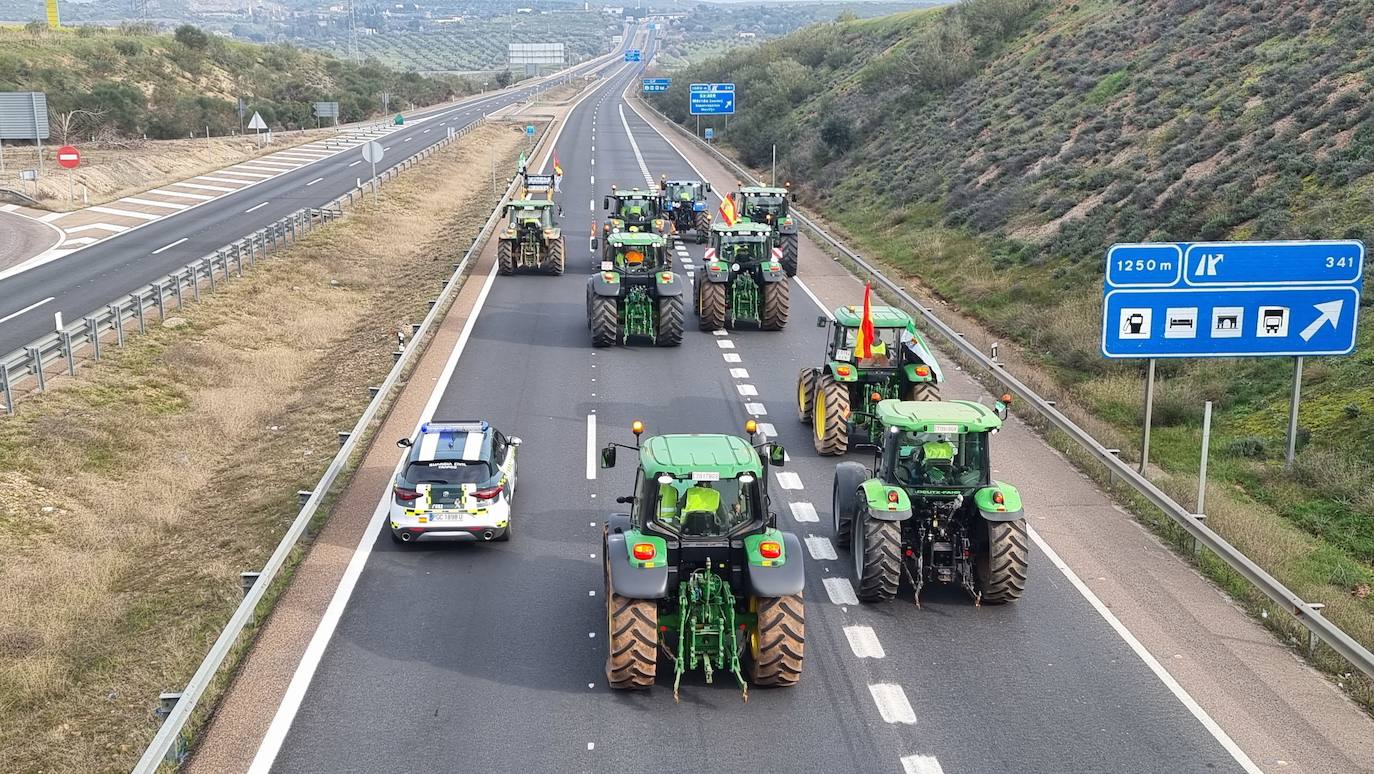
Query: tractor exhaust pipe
{"x": 406, "y": 537}
{"x": 486, "y": 535}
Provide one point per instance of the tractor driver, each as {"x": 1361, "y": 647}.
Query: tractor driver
{"x": 933, "y": 462}
{"x": 701, "y": 510}
{"x": 878, "y": 357}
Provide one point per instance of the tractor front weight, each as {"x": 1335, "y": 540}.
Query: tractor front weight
{"x": 744, "y": 299}
{"x": 707, "y": 634}
{"x": 639, "y": 313}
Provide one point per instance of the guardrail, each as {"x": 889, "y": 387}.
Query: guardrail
{"x": 170, "y": 743}
{"x": 38, "y": 360}
{"x": 1306, "y": 613}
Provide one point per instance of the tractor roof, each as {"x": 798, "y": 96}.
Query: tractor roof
{"x": 951, "y": 416}
{"x": 682, "y": 182}
{"x": 743, "y": 227}
{"x": 636, "y": 238}
{"x": 763, "y": 190}
{"x": 883, "y": 316}
{"x": 683, "y": 454}
{"x": 626, "y": 193}
{"x": 528, "y": 203}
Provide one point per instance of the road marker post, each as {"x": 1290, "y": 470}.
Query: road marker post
{"x": 1292, "y": 448}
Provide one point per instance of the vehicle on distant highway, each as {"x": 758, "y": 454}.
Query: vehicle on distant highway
{"x": 456, "y": 483}
{"x": 771, "y": 205}
{"x": 686, "y": 201}
{"x": 531, "y": 240}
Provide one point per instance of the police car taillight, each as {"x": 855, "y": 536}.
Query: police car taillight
{"x": 405, "y": 495}
{"x": 489, "y": 493}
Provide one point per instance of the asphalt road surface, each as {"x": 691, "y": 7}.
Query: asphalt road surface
{"x": 488, "y": 658}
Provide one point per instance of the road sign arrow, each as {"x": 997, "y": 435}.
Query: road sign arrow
{"x": 1330, "y": 313}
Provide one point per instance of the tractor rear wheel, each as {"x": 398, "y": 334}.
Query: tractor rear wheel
{"x": 924, "y": 391}
{"x": 605, "y": 321}
{"x": 845, "y": 500}
{"x": 632, "y": 642}
{"x": 703, "y": 226}
{"x": 779, "y": 642}
{"x": 877, "y": 548}
{"x": 505, "y": 256}
{"x": 789, "y": 254}
{"x": 776, "y": 300}
{"x": 1001, "y": 567}
{"x": 830, "y": 416}
{"x": 806, "y": 389}
{"x": 711, "y": 305}
{"x": 669, "y": 321}
{"x": 556, "y": 260}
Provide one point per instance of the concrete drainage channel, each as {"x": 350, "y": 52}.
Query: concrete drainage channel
{"x": 170, "y": 744}
{"x": 1306, "y": 613}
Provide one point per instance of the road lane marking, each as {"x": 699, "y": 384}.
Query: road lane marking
{"x": 312, "y": 182}
{"x": 821, "y": 550}
{"x": 747, "y": 390}
{"x": 725, "y": 344}
{"x": 804, "y": 512}
{"x": 757, "y": 409}
{"x": 720, "y": 332}
{"x": 356, "y": 163}
{"x": 123, "y": 213}
{"x": 840, "y": 591}
{"x": 892, "y": 703}
{"x": 221, "y": 180}
{"x": 921, "y": 764}
{"x": 101, "y": 226}
{"x": 169, "y": 247}
{"x": 789, "y": 480}
{"x": 180, "y": 194}
{"x": 731, "y": 357}
{"x": 256, "y": 207}
{"x": 235, "y": 173}
{"x": 591, "y": 447}
{"x": 739, "y": 373}
{"x": 593, "y": 179}
{"x": 28, "y": 308}
{"x": 199, "y": 187}
{"x": 406, "y": 140}
{"x": 864, "y": 642}
{"x": 151, "y": 203}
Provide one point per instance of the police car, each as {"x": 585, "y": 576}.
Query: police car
{"x": 456, "y": 484}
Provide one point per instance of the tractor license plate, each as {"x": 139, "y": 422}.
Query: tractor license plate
{"x": 952, "y": 429}
{"x": 842, "y": 354}
{"x": 705, "y": 475}
{"x": 607, "y": 265}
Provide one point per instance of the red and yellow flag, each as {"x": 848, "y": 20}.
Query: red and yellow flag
{"x": 557, "y": 168}
{"x": 863, "y": 343}
{"x": 727, "y": 211}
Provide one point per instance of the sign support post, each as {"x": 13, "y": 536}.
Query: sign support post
{"x": 1149, "y": 410}
{"x": 1202, "y": 469}
{"x": 1293, "y": 414}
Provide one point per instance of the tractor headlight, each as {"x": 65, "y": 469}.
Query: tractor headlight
{"x": 734, "y": 267}
{"x": 664, "y": 478}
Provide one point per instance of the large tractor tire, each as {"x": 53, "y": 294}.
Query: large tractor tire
{"x": 877, "y": 548}
{"x": 1001, "y": 569}
{"x": 789, "y": 254}
{"x": 806, "y": 390}
{"x": 505, "y": 256}
{"x": 776, "y": 301}
{"x": 846, "y": 501}
{"x": 556, "y": 261}
{"x": 632, "y": 642}
{"x": 703, "y": 226}
{"x": 923, "y": 391}
{"x": 669, "y": 321}
{"x": 830, "y": 416}
{"x": 605, "y": 321}
{"x": 711, "y": 305}
{"x": 778, "y": 644}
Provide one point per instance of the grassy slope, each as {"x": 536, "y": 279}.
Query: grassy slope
{"x": 994, "y": 152}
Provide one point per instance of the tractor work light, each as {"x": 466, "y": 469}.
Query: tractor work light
{"x": 770, "y": 549}
{"x": 734, "y": 267}
{"x": 746, "y": 478}
{"x": 1006, "y": 398}
{"x": 644, "y": 552}
{"x": 751, "y": 427}
{"x": 922, "y": 370}
{"x": 664, "y": 478}
{"x": 842, "y": 370}
{"x": 637, "y": 427}
{"x": 892, "y": 496}
{"x": 998, "y": 498}
{"x": 875, "y": 397}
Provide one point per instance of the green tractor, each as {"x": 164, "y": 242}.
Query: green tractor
{"x": 698, "y": 576}
{"x": 636, "y": 293}
{"x": 762, "y": 204}
{"x": 532, "y": 240}
{"x": 687, "y": 208}
{"x": 742, "y": 280}
{"x": 840, "y": 396}
{"x": 930, "y": 510}
{"x": 636, "y": 211}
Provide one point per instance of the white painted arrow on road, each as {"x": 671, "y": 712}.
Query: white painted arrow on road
{"x": 1330, "y": 312}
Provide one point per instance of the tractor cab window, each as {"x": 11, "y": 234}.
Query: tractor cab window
{"x": 886, "y": 346}
{"x": 637, "y": 257}
{"x": 761, "y": 205}
{"x": 741, "y": 250}
{"x": 637, "y": 208}
{"x": 941, "y": 459}
{"x": 681, "y": 193}
{"x": 704, "y": 508}
{"x": 535, "y": 215}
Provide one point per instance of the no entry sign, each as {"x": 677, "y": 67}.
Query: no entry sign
{"x": 68, "y": 157}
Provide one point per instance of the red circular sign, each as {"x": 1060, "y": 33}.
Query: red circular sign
{"x": 68, "y": 157}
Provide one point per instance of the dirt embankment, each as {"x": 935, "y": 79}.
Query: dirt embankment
{"x": 132, "y": 497}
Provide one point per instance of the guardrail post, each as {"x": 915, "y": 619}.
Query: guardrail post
{"x": 343, "y": 437}
{"x": 5, "y": 388}
{"x": 210, "y": 270}
{"x": 118, "y": 313}
{"x": 194, "y": 274}
{"x": 238, "y": 258}
{"x": 1312, "y": 639}
{"x": 246, "y": 582}
{"x": 68, "y": 354}
{"x": 36, "y": 366}
{"x": 176, "y": 286}
{"x": 138, "y": 310}
{"x": 373, "y": 391}
{"x": 161, "y": 307}
{"x": 166, "y": 702}
{"x": 93, "y": 335}
{"x": 303, "y": 495}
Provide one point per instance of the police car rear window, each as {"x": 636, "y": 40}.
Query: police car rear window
{"x": 448, "y": 472}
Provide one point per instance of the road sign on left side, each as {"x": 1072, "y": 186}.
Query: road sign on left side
{"x": 68, "y": 157}
{"x": 256, "y": 122}
{"x": 372, "y": 152}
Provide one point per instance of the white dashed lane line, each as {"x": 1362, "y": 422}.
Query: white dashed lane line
{"x": 820, "y": 548}
{"x": 921, "y": 764}
{"x": 841, "y": 591}
{"x": 759, "y": 410}
{"x": 747, "y": 390}
{"x": 739, "y": 373}
{"x": 804, "y": 512}
{"x": 725, "y": 344}
{"x": 892, "y": 703}
{"x": 864, "y": 642}
{"x": 789, "y": 480}
{"x": 767, "y": 429}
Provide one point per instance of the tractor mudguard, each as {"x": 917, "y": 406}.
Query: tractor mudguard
{"x": 618, "y": 522}
{"x": 718, "y": 272}
{"x": 769, "y": 274}
{"x": 668, "y": 283}
{"x": 918, "y": 348}
{"x": 628, "y": 580}
{"x": 881, "y": 506}
{"x": 600, "y": 286}
{"x": 787, "y": 228}
{"x": 1007, "y": 510}
{"x": 780, "y": 580}
{"x": 842, "y": 372}
{"x": 699, "y": 207}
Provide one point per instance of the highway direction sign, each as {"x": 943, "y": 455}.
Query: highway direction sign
{"x": 1232, "y": 299}
{"x": 712, "y": 99}
{"x": 632, "y": 55}
{"x": 657, "y": 84}
{"x": 68, "y": 157}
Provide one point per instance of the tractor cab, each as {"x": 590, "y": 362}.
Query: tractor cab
{"x": 634, "y": 210}
{"x": 936, "y": 446}
{"x": 530, "y": 214}
{"x": 897, "y": 345}
{"x": 762, "y": 204}
{"x": 690, "y": 194}
{"x": 531, "y": 239}
{"x": 745, "y": 244}
{"x": 634, "y": 253}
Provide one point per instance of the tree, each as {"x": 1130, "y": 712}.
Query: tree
{"x": 191, "y": 36}
{"x": 846, "y": 15}
{"x": 75, "y": 122}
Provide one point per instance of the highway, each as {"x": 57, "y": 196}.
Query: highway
{"x": 87, "y": 279}
{"x": 488, "y": 658}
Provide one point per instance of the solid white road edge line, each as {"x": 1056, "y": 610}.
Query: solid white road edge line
{"x": 28, "y": 308}
{"x": 257, "y": 206}
{"x": 174, "y": 244}
{"x": 591, "y": 447}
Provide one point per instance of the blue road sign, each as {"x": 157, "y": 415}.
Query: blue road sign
{"x": 710, "y": 133}
{"x": 1232, "y": 299}
{"x": 529, "y": 129}
{"x": 713, "y": 99}
{"x": 657, "y": 84}
{"x": 632, "y": 55}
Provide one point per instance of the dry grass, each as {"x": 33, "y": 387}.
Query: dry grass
{"x": 132, "y": 497}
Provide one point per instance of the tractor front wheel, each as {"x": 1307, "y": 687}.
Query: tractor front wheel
{"x": 632, "y": 642}
{"x": 669, "y": 321}
{"x": 711, "y": 305}
{"x": 1001, "y": 567}
{"x": 776, "y": 300}
{"x": 830, "y": 416}
{"x": 806, "y": 389}
{"x": 923, "y": 391}
{"x": 778, "y": 643}
{"x": 505, "y": 257}
{"x": 877, "y": 548}
{"x": 789, "y": 254}
{"x": 703, "y": 226}
{"x": 605, "y": 321}
{"x": 845, "y": 500}
{"x": 556, "y": 260}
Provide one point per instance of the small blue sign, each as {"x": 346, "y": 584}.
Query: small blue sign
{"x": 657, "y": 84}
{"x": 529, "y": 129}
{"x": 712, "y": 99}
{"x": 632, "y": 55}
{"x": 1232, "y": 299}
{"x": 710, "y": 133}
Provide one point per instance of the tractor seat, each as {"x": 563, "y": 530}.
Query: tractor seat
{"x": 701, "y": 523}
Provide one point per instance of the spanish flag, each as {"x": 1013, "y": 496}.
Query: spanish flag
{"x": 557, "y": 168}
{"x": 727, "y": 211}
{"x": 863, "y": 344}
